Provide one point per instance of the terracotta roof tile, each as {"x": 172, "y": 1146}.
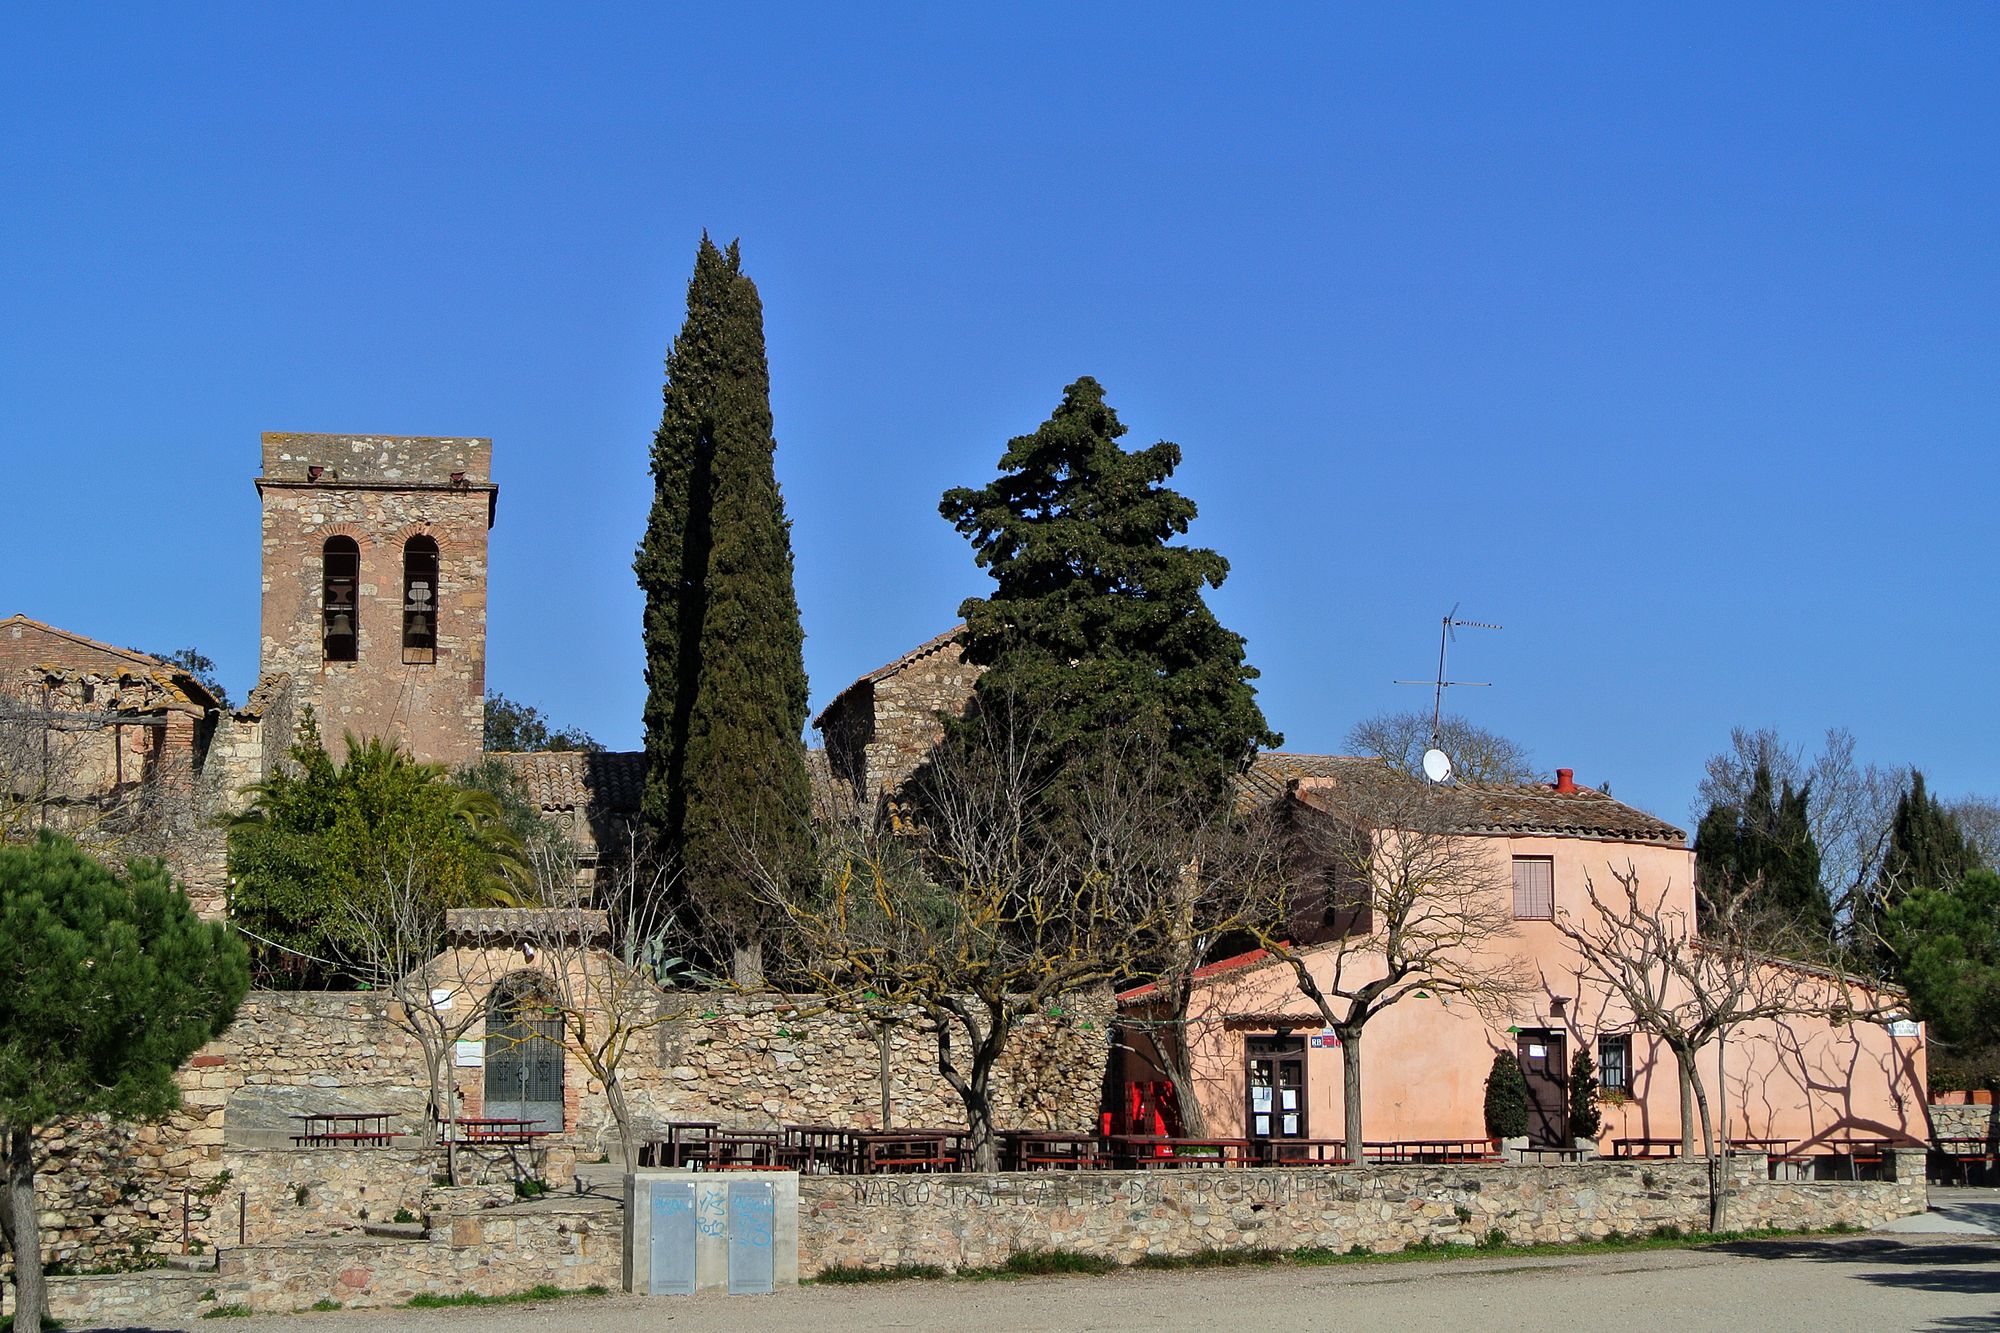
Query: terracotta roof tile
{"x": 1531, "y": 809}
{"x": 610, "y": 780}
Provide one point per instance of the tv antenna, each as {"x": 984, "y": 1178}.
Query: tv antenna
{"x": 1437, "y": 764}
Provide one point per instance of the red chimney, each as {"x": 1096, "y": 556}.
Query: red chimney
{"x": 1565, "y": 781}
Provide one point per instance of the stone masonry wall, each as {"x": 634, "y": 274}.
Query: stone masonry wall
{"x": 764, "y": 1061}
{"x": 380, "y": 491}
{"x": 908, "y": 706}
{"x": 1949, "y": 1121}
{"x": 974, "y": 1221}
{"x": 568, "y": 1243}
{"x": 114, "y": 1191}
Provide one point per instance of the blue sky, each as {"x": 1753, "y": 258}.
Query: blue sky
{"x": 1665, "y": 338}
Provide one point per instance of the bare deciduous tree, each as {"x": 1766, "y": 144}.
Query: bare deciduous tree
{"x": 402, "y": 948}
{"x": 988, "y": 910}
{"x": 1849, "y": 805}
{"x": 607, "y": 949}
{"x": 1477, "y": 755}
{"x": 1691, "y": 991}
{"x": 1409, "y": 904}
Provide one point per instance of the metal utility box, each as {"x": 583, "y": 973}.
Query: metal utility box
{"x": 689, "y": 1231}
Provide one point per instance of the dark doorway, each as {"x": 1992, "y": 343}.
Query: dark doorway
{"x": 1545, "y": 1063}
{"x": 524, "y": 1057}
{"x": 1275, "y": 1081}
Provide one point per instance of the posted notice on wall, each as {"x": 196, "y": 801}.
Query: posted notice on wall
{"x": 468, "y": 1054}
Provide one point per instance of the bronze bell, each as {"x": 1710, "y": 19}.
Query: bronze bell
{"x": 341, "y": 625}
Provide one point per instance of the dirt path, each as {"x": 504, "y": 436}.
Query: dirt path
{"x": 1870, "y": 1283}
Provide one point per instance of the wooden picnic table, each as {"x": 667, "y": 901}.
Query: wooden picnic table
{"x": 370, "y": 1129}
{"x": 497, "y": 1131}
{"x": 743, "y": 1150}
{"x": 818, "y": 1149}
{"x": 1163, "y": 1150}
{"x": 1046, "y": 1149}
{"x": 1962, "y": 1152}
{"x": 685, "y": 1141}
{"x": 1646, "y": 1148}
{"x": 1431, "y": 1151}
{"x": 880, "y": 1150}
{"x": 1306, "y": 1152}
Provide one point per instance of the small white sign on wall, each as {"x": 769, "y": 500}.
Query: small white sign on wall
{"x": 1905, "y": 1027}
{"x": 441, "y": 1000}
{"x": 468, "y": 1054}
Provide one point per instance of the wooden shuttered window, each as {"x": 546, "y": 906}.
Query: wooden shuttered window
{"x": 1534, "y": 888}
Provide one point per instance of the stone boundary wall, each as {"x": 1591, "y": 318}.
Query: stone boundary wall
{"x": 1949, "y": 1121}
{"x": 110, "y": 1192}
{"x": 569, "y": 1243}
{"x": 975, "y": 1221}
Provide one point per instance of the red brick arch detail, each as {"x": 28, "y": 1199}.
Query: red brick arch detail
{"x": 400, "y": 538}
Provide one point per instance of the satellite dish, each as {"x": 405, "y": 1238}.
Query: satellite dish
{"x": 1437, "y": 764}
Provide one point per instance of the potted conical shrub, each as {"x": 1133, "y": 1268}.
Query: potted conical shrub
{"x": 1507, "y": 1103}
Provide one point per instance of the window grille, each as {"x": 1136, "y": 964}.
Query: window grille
{"x": 340, "y": 626}
{"x": 1614, "y": 1063}
{"x": 1534, "y": 888}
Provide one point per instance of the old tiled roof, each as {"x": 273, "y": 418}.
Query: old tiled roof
{"x": 1530, "y": 809}
{"x": 175, "y": 679}
{"x": 608, "y": 780}
{"x": 1271, "y": 773}
{"x": 881, "y": 673}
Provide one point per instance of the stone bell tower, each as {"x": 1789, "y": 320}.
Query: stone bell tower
{"x": 375, "y": 586}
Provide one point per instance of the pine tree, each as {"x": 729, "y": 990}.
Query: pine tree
{"x": 1766, "y": 846}
{"x": 1097, "y": 622}
{"x": 725, "y": 667}
{"x": 108, "y": 982}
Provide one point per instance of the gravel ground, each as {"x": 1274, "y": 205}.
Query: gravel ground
{"x": 1874, "y": 1282}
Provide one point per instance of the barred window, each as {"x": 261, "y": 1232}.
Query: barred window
{"x": 1534, "y": 888}
{"x": 1614, "y": 1063}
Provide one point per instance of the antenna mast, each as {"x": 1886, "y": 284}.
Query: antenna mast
{"x": 1437, "y": 765}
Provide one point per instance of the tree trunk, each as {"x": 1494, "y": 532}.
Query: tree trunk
{"x": 1172, "y": 1046}
{"x": 1350, "y": 1091}
{"x": 1718, "y": 1188}
{"x": 621, "y": 1116}
{"x": 23, "y": 1231}
{"x": 1709, "y": 1146}
{"x": 1681, "y": 1064}
{"x": 882, "y": 1068}
{"x": 746, "y": 964}
{"x": 974, "y": 1087}
{"x": 1993, "y": 1116}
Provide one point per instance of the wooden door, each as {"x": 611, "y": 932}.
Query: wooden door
{"x": 1545, "y": 1064}
{"x": 1275, "y": 1080}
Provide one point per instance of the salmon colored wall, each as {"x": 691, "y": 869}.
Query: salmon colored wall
{"x": 1425, "y": 1060}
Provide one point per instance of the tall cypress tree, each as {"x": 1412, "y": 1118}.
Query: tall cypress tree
{"x": 1097, "y": 620}
{"x": 725, "y": 668}
{"x": 1766, "y": 842}
{"x": 1927, "y": 850}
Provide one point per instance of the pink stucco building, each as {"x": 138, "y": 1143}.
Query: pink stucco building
{"x": 1265, "y": 1066}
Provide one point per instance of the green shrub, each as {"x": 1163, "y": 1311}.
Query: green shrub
{"x": 323, "y": 1305}
{"x": 854, "y": 1274}
{"x": 1043, "y": 1263}
{"x": 1585, "y": 1120}
{"x": 404, "y": 1217}
{"x": 1506, "y": 1098}
{"x": 237, "y": 1311}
